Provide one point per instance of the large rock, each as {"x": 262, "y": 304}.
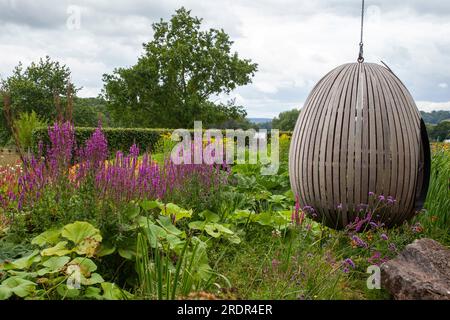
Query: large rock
{"x": 421, "y": 271}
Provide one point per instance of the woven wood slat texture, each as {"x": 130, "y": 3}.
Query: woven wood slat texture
{"x": 359, "y": 132}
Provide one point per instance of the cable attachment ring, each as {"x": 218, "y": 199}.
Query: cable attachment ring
{"x": 360, "y": 56}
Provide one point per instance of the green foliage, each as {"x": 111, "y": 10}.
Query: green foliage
{"x": 439, "y": 132}
{"x": 61, "y": 268}
{"x": 25, "y": 124}
{"x": 435, "y": 117}
{"x": 181, "y": 68}
{"x": 436, "y": 218}
{"x": 240, "y": 243}
{"x": 88, "y": 111}
{"x": 34, "y": 88}
{"x": 286, "y": 120}
{"x": 164, "y": 145}
{"x": 118, "y": 138}
{"x": 164, "y": 279}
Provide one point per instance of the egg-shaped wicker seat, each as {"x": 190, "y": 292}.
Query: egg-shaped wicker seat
{"x": 359, "y": 132}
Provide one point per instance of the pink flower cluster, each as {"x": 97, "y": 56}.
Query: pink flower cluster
{"x": 124, "y": 178}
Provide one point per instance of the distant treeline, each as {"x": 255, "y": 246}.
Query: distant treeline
{"x": 435, "y": 117}
{"x": 438, "y": 124}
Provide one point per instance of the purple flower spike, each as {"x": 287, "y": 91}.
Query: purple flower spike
{"x": 359, "y": 242}
{"x": 349, "y": 262}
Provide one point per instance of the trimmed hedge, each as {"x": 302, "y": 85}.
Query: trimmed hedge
{"x": 118, "y": 138}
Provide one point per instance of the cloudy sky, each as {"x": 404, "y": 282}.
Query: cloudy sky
{"x": 295, "y": 42}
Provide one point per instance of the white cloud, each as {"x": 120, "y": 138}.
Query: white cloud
{"x": 443, "y": 85}
{"x": 430, "y": 106}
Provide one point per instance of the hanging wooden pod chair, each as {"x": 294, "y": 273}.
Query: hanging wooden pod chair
{"x": 359, "y": 132}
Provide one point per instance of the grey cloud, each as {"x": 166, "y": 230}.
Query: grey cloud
{"x": 295, "y": 42}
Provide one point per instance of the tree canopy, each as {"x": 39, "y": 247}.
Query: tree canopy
{"x": 440, "y": 131}
{"x": 174, "y": 81}
{"x": 35, "y": 87}
{"x": 286, "y": 120}
{"x": 435, "y": 117}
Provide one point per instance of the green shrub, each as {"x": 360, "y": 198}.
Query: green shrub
{"x": 25, "y": 125}
{"x": 118, "y": 138}
{"x": 63, "y": 267}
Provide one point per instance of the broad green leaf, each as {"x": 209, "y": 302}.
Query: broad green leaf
{"x": 279, "y": 219}
{"x": 212, "y": 230}
{"x": 56, "y": 263}
{"x": 204, "y": 271}
{"x": 43, "y": 271}
{"x": 112, "y": 292}
{"x": 242, "y": 214}
{"x": 23, "y": 274}
{"x": 65, "y": 292}
{"x": 209, "y": 216}
{"x": 5, "y": 292}
{"x": 277, "y": 198}
{"x": 290, "y": 195}
{"x": 19, "y": 286}
{"x": 79, "y": 231}
{"x": 58, "y": 250}
{"x": 132, "y": 212}
{"x": 105, "y": 249}
{"x": 167, "y": 224}
{"x": 93, "y": 293}
{"x": 223, "y": 229}
{"x": 149, "y": 205}
{"x": 234, "y": 239}
{"x": 93, "y": 279}
{"x": 49, "y": 237}
{"x": 127, "y": 253}
{"x": 286, "y": 214}
{"x": 170, "y": 209}
{"x": 87, "y": 266}
{"x": 22, "y": 263}
{"x": 174, "y": 241}
{"x": 197, "y": 225}
{"x": 144, "y": 221}
{"x": 216, "y": 230}
{"x": 154, "y": 233}
{"x": 264, "y": 218}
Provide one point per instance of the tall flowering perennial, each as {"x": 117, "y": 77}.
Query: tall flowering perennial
{"x": 128, "y": 177}
{"x": 299, "y": 215}
{"x": 61, "y": 150}
{"x": 39, "y": 172}
{"x": 8, "y": 184}
{"x": 91, "y": 157}
{"x": 96, "y": 149}
{"x": 124, "y": 178}
{"x": 32, "y": 181}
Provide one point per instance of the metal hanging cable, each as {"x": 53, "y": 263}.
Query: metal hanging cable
{"x": 361, "y": 44}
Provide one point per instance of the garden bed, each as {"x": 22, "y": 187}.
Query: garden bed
{"x": 81, "y": 224}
